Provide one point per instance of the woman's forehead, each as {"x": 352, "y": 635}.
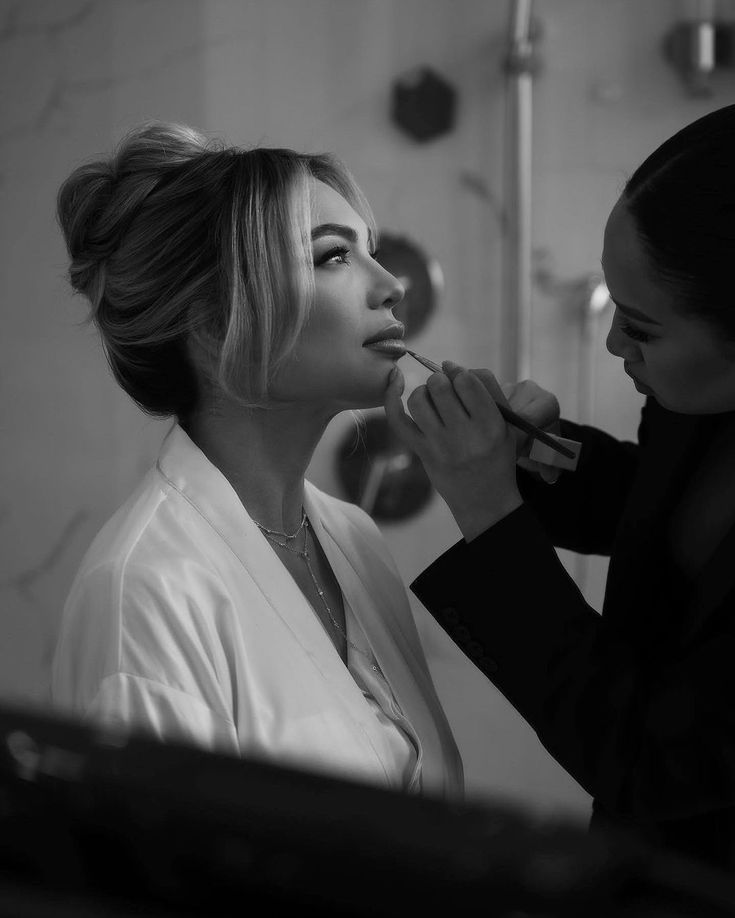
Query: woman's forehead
{"x": 329, "y": 206}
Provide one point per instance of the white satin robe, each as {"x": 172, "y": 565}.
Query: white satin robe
{"x": 182, "y": 621}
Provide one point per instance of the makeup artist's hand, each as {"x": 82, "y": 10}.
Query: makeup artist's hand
{"x": 541, "y": 408}
{"x": 465, "y": 445}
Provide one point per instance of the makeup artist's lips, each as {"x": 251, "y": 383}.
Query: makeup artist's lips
{"x": 643, "y": 389}
{"x": 389, "y": 340}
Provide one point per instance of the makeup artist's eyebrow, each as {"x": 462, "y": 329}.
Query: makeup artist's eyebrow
{"x": 340, "y": 229}
{"x": 629, "y": 310}
{"x": 635, "y": 313}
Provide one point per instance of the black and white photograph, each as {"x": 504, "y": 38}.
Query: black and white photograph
{"x": 367, "y": 436}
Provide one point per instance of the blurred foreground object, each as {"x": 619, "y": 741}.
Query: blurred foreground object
{"x": 104, "y": 823}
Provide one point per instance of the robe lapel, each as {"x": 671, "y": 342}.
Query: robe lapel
{"x": 392, "y": 636}
{"x": 207, "y": 489}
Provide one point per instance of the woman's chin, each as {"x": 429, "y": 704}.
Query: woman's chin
{"x": 372, "y": 393}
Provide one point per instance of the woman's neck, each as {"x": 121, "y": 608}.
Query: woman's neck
{"x": 264, "y": 454}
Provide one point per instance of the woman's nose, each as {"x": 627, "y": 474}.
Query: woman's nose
{"x": 388, "y": 291}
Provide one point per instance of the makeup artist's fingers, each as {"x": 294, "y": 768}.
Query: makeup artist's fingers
{"x": 541, "y": 408}
{"x": 473, "y": 424}
{"x": 444, "y": 399}
{"x": 469, "y": 456}
{"x": 485, "y": 376}
{"x": 527, "y": 399}
{"x": 538, "y": 406}
{"x": 478, "y": 402}
{"x": 401, "y": 423}
{"x": 423, "y": 410}
{"x": 533, "y": 402}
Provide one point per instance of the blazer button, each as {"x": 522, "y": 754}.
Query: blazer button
{"x": 475, "y": 649}
{"x": 461, "y": 633}
{"x": 489, "y": 665}
{"x": 450, "y": 614}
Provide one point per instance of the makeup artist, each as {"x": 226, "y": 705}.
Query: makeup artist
{"x": 638, "y": 704}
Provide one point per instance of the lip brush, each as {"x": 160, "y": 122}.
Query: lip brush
{"x": 510, "y": 416}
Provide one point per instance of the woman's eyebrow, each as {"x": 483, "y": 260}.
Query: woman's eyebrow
{"x": 634, "y": 313}
{"x": 335, "y": 229}
{"x": 341, "y": 229}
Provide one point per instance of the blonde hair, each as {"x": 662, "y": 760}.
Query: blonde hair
{"x": 184, "y": 245}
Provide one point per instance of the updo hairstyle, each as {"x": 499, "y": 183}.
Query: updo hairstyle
{"x": 682, "y": 201}
{"x": 185, "y": 246}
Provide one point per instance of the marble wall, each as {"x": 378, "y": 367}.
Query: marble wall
{"x": 312, "y": 74}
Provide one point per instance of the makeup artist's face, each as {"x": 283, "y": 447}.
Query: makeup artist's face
{"x": 676, "y": 358}
{"x": 332, "y": 366}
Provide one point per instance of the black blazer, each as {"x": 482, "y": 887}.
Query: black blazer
{"x": 638, "y": 704}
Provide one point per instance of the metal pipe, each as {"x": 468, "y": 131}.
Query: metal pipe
{"x": 516, "y": 319}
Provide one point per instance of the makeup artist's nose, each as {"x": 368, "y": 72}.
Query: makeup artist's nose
{"x": 387, "y": 291}
{"x": 620, "y": 345}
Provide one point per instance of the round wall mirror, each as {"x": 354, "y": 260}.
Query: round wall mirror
{"x": 420, "y": 275}
{"x": 380, "y": 474}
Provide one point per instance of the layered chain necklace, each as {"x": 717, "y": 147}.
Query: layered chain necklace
{"x": 282, "y": 539}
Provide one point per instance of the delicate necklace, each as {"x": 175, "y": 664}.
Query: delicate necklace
{"x": 303, "y": 553}
{"x": 283, "y": 535}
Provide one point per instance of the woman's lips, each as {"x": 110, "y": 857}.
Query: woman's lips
{"x": 392, "y": 346}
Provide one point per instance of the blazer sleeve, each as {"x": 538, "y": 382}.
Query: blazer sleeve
{"x": 581, "y": 511}
{"x": 648, "y": 739}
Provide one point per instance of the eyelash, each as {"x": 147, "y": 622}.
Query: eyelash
{"x": 635, "y": 333}
{"x": 340, "y": 251}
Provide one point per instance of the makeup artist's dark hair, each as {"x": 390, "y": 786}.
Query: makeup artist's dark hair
{"x": 682, "y": 201}
{"x": 196, "y": 258}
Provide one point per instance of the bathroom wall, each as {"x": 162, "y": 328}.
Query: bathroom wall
{"x": 313, "y": 74}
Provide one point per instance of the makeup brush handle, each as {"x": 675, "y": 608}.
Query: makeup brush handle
{"x": 510, "y": 416}
{"x": 517, "y": 421}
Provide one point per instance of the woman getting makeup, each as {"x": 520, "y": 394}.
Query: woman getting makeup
{"x": 638, "y": 704}
{"x": 229, "y": 603}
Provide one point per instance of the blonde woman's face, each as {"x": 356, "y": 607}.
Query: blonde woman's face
{"x": 334, "y": 363}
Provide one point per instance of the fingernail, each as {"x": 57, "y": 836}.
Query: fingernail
{"x": 451, "y": 368}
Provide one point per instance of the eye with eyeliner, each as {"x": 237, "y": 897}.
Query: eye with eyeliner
{"x": 338, "y": 251}
{"x": 635, "y": 333}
